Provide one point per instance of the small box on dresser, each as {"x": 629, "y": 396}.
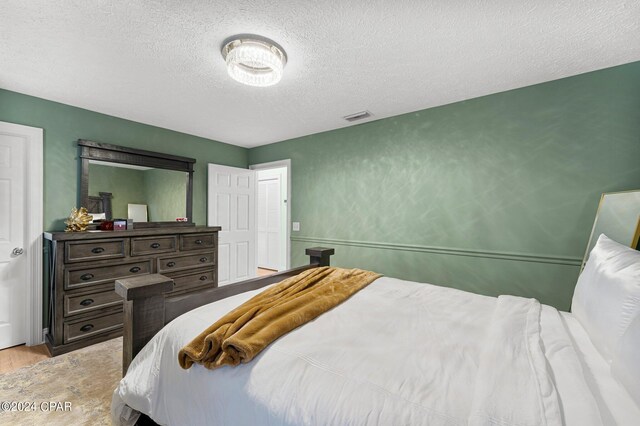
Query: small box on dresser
{"x": 83, "y": 306}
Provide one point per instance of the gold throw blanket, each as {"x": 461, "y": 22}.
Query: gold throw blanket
{"x": 241, "y": 334}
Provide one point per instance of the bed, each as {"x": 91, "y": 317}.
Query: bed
{"x": 396, "y": 352}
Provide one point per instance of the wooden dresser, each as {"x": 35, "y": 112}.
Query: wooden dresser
{"x": 84, "y": 308}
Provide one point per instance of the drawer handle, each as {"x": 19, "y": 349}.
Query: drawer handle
{"x": 155, "y": 245}
{"x": 97, "y": 250}
{"x": 86, "y": 302}
{"x": 199, "y": 242}
{"x": 171, "y": 264}
{"x": 86, "y": 277}
{"x": 134, "y": 269}
{"x": 203, "y": 259}
{"x": 203, "y": 278}
{"x": 86, "y": 327}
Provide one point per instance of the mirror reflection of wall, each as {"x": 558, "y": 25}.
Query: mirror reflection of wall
{"x": 166, "y": 194}
{"x": 163, "y": 191}
{"x": 619, "y": 214}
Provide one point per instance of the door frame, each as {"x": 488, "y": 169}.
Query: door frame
{"x": 33, "y": 226}
{"x": 278, "y": 165}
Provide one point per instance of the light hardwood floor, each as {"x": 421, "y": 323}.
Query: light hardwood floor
{"x": 19, "y": 356}
{"x": 262, "y": 272}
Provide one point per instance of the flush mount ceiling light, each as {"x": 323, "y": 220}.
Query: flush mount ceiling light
{"x": 254, "y": 60}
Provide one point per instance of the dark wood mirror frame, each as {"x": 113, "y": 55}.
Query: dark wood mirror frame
{"x": 90, "y": 150}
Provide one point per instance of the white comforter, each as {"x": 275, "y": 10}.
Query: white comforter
{"x": 396, "y": 353}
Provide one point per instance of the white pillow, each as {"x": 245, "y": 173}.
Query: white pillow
{"x": 99, "y": 216}
{"x": 625, "y": 366}
{"x": 607, "y": 295}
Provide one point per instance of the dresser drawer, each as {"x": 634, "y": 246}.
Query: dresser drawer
{"x": 79, "y": 304}
{"x": 197, "y": 242}
{"x": 152, "y": 245}
{"x": 194, "y": 280}
{"x": 178, "y": 263}
{"x": 88, "y": 327}
{"x": 81, "y": 251}
{"x": 78, "y": 277}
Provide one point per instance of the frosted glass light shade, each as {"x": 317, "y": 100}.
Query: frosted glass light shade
{"x": 254, "y": 62}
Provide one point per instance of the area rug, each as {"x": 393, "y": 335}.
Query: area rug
{"x": 70, "y": 389}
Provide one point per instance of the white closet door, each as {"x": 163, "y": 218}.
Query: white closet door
{"x": 231, "y": 205}
{"x": 269, "y": 222}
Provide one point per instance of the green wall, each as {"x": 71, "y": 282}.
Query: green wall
{"x": 63, "y": 125}
{"x": 493, "y": 195}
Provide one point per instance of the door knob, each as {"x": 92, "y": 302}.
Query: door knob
{"x": 17, "y": 251}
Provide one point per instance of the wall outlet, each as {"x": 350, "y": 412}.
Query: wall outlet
{"x": 296, "y": 226}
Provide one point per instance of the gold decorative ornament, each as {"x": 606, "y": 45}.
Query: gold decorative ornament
{"x": 78, "y": 220}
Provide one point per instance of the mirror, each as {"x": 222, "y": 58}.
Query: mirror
{"x": 618, "y": 217}
{"x": 153, "y": 189}
{"x": 163, "y": 192}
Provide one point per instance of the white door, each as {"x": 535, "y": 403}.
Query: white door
{"x": 280, "y": 170}
{"x": 271, "y": 218}
{"x": 13, "y": 264}
{"x": 231, "y": 205}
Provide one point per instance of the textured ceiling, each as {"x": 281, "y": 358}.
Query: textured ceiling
{"x": 159, "y": 62}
